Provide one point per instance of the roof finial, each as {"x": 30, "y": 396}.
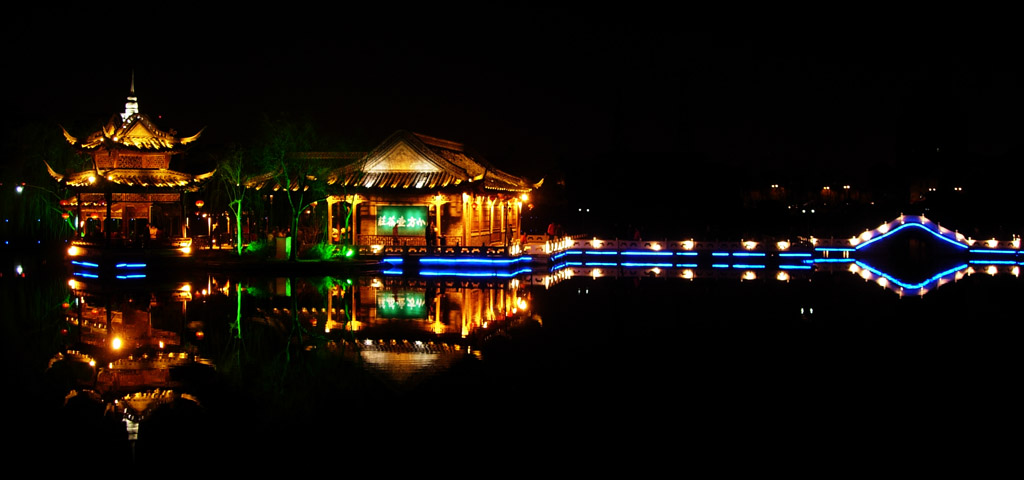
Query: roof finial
{"x": 131, "y": 107}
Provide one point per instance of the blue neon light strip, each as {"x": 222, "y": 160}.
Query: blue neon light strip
{"x": 796, "y": 255}
{"x": 474, "y": 261}
{"x": 603, "y": 252}
{"x": 836, "y": 249}
{"x": 660, "y": 254}
{"x": 458, "y": 273}
{"x": 393, "y": 271}
{"x": 86, "y": 275}
{"x": 556, "y": 267}
{"x": 602, "y": 264}
{"x": 1007, "y": 252}
{"x": 394, "y": 260}
{"x": 719, "y": 254}
{"x": 833, "y": 260}
{"x": 574, "y": 264}
{"x": 131, "y": 265}
{"x": 688, "y": 254}
{"x": 742, "y": 265}
{"x": 573, "y": 252}
{"x": 993, "y": 262}
{"x": 686, "y": 265}
{"x": 631, "y": 264}
{"x": 911, "y": 286}
{"x": 795, "y": 267}
{"x": 747, "y": 254}
{"x": 123, "y": 277}
{"x": 84, "y": 264}
{"x": 917, "y": 225}
{"x": 719, "y": 265}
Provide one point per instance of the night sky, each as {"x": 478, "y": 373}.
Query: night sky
{"x": 615, "y": 97}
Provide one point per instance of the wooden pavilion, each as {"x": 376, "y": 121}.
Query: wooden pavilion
{"x": 417, "y": 190}
{"x": 130, "y": 197}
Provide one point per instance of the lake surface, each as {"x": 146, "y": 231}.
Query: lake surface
{"x": 569, "y": 366}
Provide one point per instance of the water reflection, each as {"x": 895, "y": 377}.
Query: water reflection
{"x": 258, "y": 356}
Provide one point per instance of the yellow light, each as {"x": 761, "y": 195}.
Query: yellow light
{"x": 749, "y": 275}
{"x": 1015, "y": 271}
{"x": 749, "y": 244}
{"x": 186, "y": 250}
{"x": 521, "y": 303}
{"x": 186, "y": 288}
{"x": 854, "y": 241}
{"x": 687, "y": 244}
{"x": 110, "y": 177}
{"x": 782, "y": 245}
{"x": 74, "y": 250}
{"x": 688, "y": 274}
{"x": 597, "y": 243}
{"x": 993, "y": 243}
{"x": 375, "y": 249}
{"x": 116, "y": 343}
{"x": 92, "y": 179}
{"x": 814, "y": 242}
{"x": 596, "y": 273}
{"x": 656, "y": 270}
{"x": 782, "y": 276}
{"x": 92, "y": 363}
{"x": 992, "y": 270}
{"x": 1016, "y": 243}
{"x": 854, "y": 268}
{"x": 884, "y": 228}
{"x": 656, "y": 246}
{"x": 883, "y": 281}
{"x": 161, "y": 344}
{"x": 524, "y": 197}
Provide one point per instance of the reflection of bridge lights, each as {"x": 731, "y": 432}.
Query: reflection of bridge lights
{"x": 656, "y": 271}
{"x": 782, "y": 276}
{"x": 688, "y": 274}
{"x": 688, "y": 245}
{"x": 992, "y": 270}
{"x": 749, "y": 275}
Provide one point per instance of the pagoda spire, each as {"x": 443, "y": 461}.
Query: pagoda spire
{"x": 131, "y": 107}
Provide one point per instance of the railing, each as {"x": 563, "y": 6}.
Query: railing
{"x": 441, "y": 250}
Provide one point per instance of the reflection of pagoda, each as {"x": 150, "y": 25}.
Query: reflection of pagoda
{"x": 130, "y": 196}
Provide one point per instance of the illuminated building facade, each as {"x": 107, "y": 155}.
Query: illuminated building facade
{"x": 415, "y": 190}
{"x": 130, "y": 196}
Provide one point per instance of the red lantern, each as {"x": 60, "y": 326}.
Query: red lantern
{"x": 65, "y": 215}
{"x": 200, "y": 203}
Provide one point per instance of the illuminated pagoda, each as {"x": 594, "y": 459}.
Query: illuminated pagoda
{"x": 130, "y": 196}
{"x": 417, "y": 182}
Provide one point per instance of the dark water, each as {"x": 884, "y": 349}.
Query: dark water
{"x": 628, "y": 367}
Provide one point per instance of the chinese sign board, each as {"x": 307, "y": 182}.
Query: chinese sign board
{"x": 410, "y": 220}
{"x": 401, "y": 304}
